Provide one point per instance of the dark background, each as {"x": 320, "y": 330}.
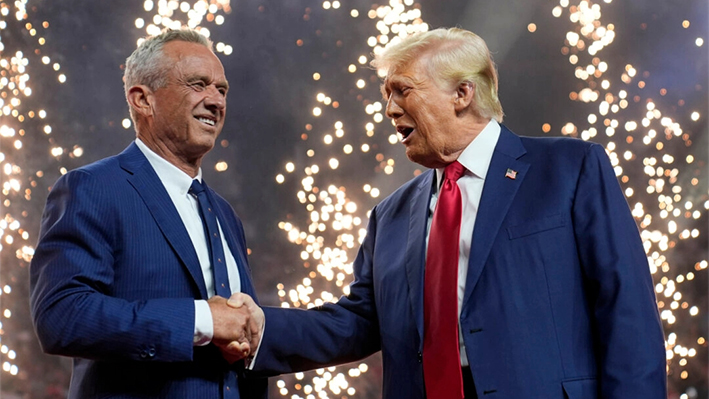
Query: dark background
{"x": 270, "y": 106}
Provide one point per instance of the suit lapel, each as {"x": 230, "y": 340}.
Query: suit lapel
{"x": 416, "y": 247}
{"x": 498, "y": 192}
{"x": 146, "y": 182}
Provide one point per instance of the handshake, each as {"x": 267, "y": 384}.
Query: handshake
{"x": 238, "y": 325}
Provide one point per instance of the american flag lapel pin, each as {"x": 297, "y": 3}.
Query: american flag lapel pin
{"x": 511, "y": 174}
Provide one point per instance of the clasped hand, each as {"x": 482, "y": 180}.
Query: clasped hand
{"x": 238, "y": 324}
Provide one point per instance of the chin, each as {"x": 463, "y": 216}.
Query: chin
{"x": 206, "y": 141}
{"x": 425, "y": 159}
{"x": 419, "y": 158}
{"x": 199, "y": 149}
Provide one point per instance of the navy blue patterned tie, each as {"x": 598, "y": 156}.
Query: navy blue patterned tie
{"x": 214, "y": 239}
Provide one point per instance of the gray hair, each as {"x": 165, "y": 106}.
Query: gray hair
{"x": 146, "y": 65}
{"x": 457, "y": 56}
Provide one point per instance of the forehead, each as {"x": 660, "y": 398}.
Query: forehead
{"x": 414, "y": 71}
{"x": 193, "y": 58}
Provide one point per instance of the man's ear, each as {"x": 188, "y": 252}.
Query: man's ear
{"x": 140, "y": 99}
{"x": 464, "y": 95}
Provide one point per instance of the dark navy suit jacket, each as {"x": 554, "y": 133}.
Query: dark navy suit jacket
{"x": 558, "y": 303}
{"x": 113, "y": 283}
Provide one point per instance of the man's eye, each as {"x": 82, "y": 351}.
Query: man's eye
{"x": 198, "y": 85}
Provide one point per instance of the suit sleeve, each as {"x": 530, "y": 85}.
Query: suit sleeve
{"x": 630, "y": 341}
{"x": 71, "y": 277}
{"x": 297, "y": 340}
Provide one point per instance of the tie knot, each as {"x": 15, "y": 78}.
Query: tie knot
{"x": 454, "y": 171}
{"x": 196, "y": 188}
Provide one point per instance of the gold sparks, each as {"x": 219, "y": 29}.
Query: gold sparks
{"x": 334, "y": 224}
{"x": 173, "y": 14}
{"x": 643, "y": 143}
{"x": 17, "y": 187}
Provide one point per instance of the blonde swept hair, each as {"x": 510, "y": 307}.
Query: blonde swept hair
{"x": 456, "y": 56}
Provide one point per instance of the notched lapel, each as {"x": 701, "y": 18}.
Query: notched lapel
{"x": 503, "y": 179}
{"x": 416, "y": 247}
{"x": 146, "y": 182}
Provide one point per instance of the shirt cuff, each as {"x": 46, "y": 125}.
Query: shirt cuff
{"x": 251, "y": 361}
{"x": 203, "y": 324}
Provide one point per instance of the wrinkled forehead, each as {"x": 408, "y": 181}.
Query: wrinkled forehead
{"x": 415, "y": 70}
{"x": 179, "y": 50}
{"x": 194, "y": 58}
{"x": 399, "y": 66}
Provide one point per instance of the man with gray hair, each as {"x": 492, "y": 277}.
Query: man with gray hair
{"x": 136, "y": 255}
{"x": 512, "y": 269}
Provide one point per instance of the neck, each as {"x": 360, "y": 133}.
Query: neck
{"x": 167, "y": 152}
{"x": 470, "y": 130}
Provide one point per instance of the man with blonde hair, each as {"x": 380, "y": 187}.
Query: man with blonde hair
{"x": 512, "y": 269}
{"x": 137, "y": 255}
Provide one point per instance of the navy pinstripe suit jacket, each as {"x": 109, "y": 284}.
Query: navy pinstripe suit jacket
{"x": 113, "y": 282}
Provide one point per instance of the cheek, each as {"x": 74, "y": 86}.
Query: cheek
{"x": 428, "y": 126}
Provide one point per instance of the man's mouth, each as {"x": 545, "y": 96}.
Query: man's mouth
{"x": 404, "y": 131}
{"x": 210, "y": 122}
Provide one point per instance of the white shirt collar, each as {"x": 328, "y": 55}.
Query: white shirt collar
{"x": 175, "y": 180}
{"x": 477, "y": 155}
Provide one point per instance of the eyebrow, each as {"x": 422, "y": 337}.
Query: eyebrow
{"x": 400, "y": 79}
{"x": 395, "y": 81}
{"x": 221, "y": 84}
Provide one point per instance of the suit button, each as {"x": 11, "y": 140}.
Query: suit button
{"x": 151, "y": 352}
{"x": 143, "y": 354}
{"x": 420, "y": 357}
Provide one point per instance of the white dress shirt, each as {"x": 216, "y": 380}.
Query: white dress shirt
{"x": 177, "y": 184}
{"x": 476, "y": 158}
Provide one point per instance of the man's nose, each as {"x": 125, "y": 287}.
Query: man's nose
{"x": 393, "y": 109}
{"x": 215, "y": 99}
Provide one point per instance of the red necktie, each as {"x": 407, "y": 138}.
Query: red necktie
{"x": 441, "y": 354}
